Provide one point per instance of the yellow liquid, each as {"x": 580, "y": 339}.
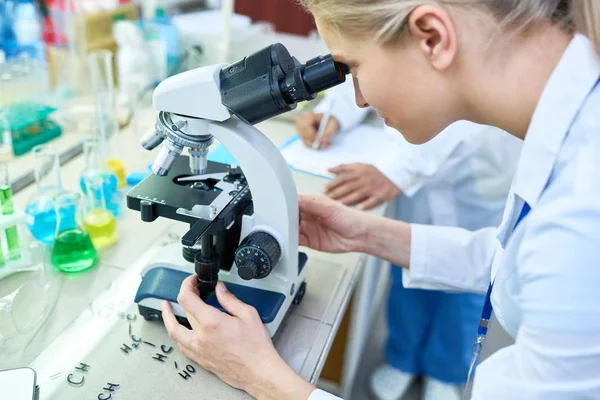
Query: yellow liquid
{"x": 102, "y": 228}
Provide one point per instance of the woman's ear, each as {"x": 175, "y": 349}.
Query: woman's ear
{"x": 432, "y": 30}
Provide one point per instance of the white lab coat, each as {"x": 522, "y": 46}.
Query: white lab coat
{"x": 547, "y": 273}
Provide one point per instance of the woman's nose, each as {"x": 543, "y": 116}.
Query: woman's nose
{"x": 360, "y": 100}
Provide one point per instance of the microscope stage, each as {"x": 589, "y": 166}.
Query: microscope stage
{"x": 169, "y": 195}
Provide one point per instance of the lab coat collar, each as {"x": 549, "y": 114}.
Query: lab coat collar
{"x": 569, "y": 85}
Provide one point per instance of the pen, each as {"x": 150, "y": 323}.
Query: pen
{"x": 323, "y": 125}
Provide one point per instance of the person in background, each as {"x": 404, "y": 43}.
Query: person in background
{"x": 461, "y": 178}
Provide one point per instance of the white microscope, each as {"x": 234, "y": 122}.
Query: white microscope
{"x": 243, "y": 218}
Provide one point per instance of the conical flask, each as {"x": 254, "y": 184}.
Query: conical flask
{"x": 73, "y": 250}
{"x": 40, "y": 212}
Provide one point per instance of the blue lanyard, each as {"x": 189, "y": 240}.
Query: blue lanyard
{"x": 486, "y": 314}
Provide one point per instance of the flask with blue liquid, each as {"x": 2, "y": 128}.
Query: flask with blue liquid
{"x": 40, "y": 211}
{"x": 95, "y": 166}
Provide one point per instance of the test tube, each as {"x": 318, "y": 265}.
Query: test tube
{"x": 105, "y": 115}
{"x": 6, "y": 204}
{"x": 5, "y": 133}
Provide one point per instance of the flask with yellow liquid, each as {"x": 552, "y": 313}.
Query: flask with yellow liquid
{"x": 98, "y": 221}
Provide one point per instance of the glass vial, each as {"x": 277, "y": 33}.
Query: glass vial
{"x": 6, "y": 204}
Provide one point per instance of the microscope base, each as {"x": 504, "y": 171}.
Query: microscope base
{"x": 162, "y": 283}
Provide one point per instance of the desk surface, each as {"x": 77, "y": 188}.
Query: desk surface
{"x": 89, "y": 321}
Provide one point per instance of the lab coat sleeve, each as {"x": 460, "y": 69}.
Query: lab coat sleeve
{"x": 344, "y": 108}
{"x": 556, "y": 354}
{"x": 321, "y": 395}
{"x": 450, "y": 258}
{"x": 415, "y": 165}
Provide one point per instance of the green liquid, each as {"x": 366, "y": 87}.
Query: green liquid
{"x": 12, "y": 236}
{"x": 102, "y": 227}
{"x": 73, "y": 251}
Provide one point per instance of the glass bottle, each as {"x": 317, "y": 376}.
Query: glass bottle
{"x": 95, "y": 166}
{"x": 6, "y": 204}
{"x": 73, "y": 249}
{"x": 40, "y": 213}
{"x": 99, "y": 223}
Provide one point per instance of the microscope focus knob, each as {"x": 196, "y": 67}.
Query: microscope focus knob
{"x": 148, "y": 211}
{"x": 257, "y": 255}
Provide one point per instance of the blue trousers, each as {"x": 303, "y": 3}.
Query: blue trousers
{"x": 431, "y": 332}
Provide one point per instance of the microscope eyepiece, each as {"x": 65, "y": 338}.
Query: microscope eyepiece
{"x": 271, "y": 82}
{"x": 322, "y": 73}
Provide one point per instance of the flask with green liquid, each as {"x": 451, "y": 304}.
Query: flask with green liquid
{"x": 6, "y": 204}
{"x": 73, "y": 249}
{"x": 100, "y": 224}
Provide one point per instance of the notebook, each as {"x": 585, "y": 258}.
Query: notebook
{"x": 362, "y": 144}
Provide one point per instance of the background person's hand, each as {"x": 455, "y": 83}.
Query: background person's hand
{"x": 307, "y": 125}
{"x": 329, "y": 226}
{"x": 236, "y": 347}
{"x": 362, "y": 185}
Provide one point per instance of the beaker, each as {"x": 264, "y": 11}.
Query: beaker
{"x": 27, "y": 296}
{"x": 95, "y": 165}
{"x": 6, "y": 204}
{"x": 99, "y": 223}
{"x": 40, "y": 213}
{"x": 73, "y": 249}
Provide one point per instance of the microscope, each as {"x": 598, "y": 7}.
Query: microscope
{"x": 243, "y": 218}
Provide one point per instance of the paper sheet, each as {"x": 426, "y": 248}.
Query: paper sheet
{"x": 362, "y": 144}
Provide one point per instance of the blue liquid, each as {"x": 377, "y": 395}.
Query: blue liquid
{"x": 41, "y": 220}
{"x": 115, "y": 204}
{"x": 112, "y": 196}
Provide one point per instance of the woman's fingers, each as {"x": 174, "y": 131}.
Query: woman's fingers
{"x": 233, "y": 305}
{"x": 177, "y": 332}
{"x": 200, "y": 315}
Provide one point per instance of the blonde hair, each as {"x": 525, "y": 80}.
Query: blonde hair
{"x": 385, "y": 20}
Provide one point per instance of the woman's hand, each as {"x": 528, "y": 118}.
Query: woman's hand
{"x": 236, "y": 347}
{"x": 327, "y": 225}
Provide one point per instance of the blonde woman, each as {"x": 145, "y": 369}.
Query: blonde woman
{"x": 459, "y": 178}
{"x": 530, "y": 67}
